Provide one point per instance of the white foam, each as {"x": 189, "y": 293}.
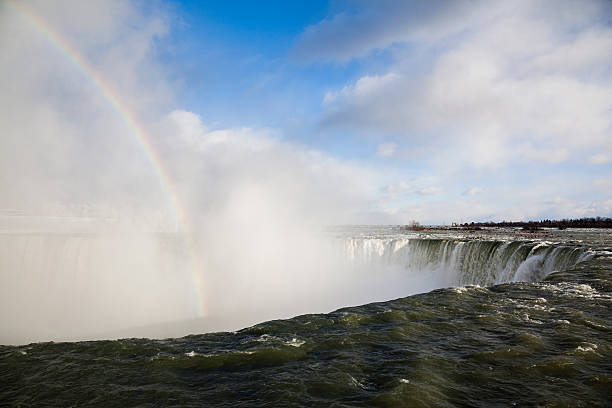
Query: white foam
{"x": 588, "y": 347}
{"x": 294, "y": 342}
{"x": 463, "y": 289}
{"x": 525, "y": 317}
{"x": 563, "y": 321}
{"x": 581, "y": 290}
{"x": 355, "y": 382}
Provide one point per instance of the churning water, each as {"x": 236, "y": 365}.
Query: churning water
{"x": 519, "y": 320}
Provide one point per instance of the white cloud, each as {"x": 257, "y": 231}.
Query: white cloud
{"x": 308, "y": 182}
{"x": 380, "y": 25}
{"x": 547, "y": 156}
{"x": 386, "y": 149}
{"x": 603, "y": 183}
{"x": 473, "y": 191}
{"x": 487, "y": 91}
{"x": 527, "y": 207}
{"x": 524, "y": 81}
{"x": 598, "y": 159}
{"x": 431, "y": 190}
{"x": 396, "y": 190}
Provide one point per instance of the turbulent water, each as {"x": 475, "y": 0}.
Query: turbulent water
{"x": 519, "y": 320}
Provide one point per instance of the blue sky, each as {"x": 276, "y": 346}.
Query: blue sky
{"x": 431, "y": 111}
{"x": 272, "y": 64}
{"x": 235, "y": 65}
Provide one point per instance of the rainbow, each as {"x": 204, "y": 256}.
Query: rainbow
{"x": 129, "y": 118}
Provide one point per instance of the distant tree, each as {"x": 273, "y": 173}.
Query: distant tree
{"x": 592, "y": 222}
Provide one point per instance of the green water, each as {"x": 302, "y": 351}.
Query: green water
{"x": 517, "y": 344}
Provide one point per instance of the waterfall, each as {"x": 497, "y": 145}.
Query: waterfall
{"x": 84, "y": 283}
{"x": 75, "y": 285}
{"x": 465, "y": 262}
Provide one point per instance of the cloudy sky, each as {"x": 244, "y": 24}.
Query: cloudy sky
{"x": 342, "y": 111}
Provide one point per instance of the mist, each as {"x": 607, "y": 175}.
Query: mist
{"x": 99, "y": 238}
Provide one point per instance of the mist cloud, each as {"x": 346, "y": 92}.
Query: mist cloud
{"x": 80, "y": 181}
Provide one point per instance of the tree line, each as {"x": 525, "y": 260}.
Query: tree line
{"x": 592, "y": 222}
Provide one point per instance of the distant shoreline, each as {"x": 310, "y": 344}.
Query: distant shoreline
{"x": 527, "y": 226}
{"x": 596, "y": 222}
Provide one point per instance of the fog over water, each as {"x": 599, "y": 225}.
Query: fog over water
{"x": 99, "y": 234}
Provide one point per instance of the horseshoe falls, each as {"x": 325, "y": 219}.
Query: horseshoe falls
{"x": 461, "y": 262}
{"x": 65, "y": 285}
{"x": 441, "y": 318}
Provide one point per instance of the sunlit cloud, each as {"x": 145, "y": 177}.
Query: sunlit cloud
{"x": 598, "y": 159}
{"x": 476, "y": 88}
{"x": 432, "y": 190}
{"x": 386, "y": 149}
{"x": 473, "y": 191}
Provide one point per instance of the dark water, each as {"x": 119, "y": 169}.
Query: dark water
{"x": 516, "y": 344}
